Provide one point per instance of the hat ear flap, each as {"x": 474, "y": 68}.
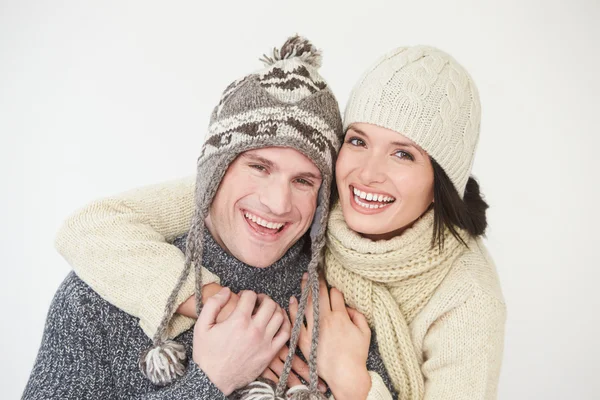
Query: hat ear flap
{"x": 317, "y": 228}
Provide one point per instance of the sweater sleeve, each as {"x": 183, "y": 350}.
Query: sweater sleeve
{"x": 70, "y": 363}
{"x": 74, "y": 361}
{"x": 193, "y": 385}
{"x": 378, "y": 389}
{"x": 463, "y": 350}
{"x": 121, "y": 247}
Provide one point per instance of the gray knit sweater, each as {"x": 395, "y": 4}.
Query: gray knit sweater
{"x": 90, "y": 348}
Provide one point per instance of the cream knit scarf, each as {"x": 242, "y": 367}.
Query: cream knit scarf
{"x": 390, "y": 281}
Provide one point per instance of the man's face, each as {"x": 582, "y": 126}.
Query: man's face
{"x": 265, "y": 203}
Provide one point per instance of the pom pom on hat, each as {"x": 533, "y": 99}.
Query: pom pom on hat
{"x": 295, "y": 46}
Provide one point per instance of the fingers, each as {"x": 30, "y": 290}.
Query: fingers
{"x": 299, "y": 368}
{"x": 276, "y": 322}
{"x": 286, "y": 321}
{"x": 277, "y": 367}
{"x": 246, "y": 303}
{"x": 281, "y": 337}
{"x": 270, "y": 375}
{"x": 337, "y": 300}
{"x": 229, "y": 307}
{"x": 266, "y": 311}
{"x": 212, "y": 307}
{"x": 360, "y": 321}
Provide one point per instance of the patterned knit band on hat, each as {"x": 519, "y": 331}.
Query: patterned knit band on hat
{"x": 286, "y": 104}
{"x": 424, "y": 94}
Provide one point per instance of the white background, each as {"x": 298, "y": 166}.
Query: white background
{"x": 100, "y": 97}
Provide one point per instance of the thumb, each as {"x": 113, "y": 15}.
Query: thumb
{"x": 212, "y": 308}
{"x": 359, "y": 320}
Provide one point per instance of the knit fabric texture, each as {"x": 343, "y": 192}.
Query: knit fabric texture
{"x": 457, "y": 336}
{"x": 89, "y": 346}
{"x": 122, "y": 246}
{"x": 391, "y": 282}
{"x": 90, "y": 351}
{"x": 286, "y": 104}
{"x": 424, "y": 94}
{"x": 279, "y": 281}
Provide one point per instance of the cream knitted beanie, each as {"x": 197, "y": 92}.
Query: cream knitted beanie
{"x": 424, "y": 94}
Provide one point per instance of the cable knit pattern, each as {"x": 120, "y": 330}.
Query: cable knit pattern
{"x": 424, "y": 94}
{"x": 390, "y": 282}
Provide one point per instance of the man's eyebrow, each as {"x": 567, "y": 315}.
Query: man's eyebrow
{"x": 309, "y": 175}
{"x": 258, "y": 159}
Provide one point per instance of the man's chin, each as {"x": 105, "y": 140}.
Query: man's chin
{"x": 261, "y": 262}
{"x": 260, "y": 254}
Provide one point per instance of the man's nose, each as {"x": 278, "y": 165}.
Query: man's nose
{"x": 277, "y": 196}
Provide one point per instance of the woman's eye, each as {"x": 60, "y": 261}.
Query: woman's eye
{"x": 356, "y": 141}
{"x": 404, "y": 155}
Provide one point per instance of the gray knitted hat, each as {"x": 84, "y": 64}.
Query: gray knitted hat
{"x": 286, "y": 104}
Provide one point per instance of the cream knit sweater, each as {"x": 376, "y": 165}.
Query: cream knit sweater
{"x": 457, "y": 335}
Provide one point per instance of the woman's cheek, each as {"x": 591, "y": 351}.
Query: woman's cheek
{"x": 346, "y": 162}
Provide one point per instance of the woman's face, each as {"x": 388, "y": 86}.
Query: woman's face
{"x": 385, "y": 181}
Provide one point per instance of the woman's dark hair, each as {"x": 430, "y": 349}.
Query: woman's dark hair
{"x": 450, "y": 211}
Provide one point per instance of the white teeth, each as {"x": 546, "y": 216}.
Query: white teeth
{"x": 262, "y": 222}
{"x": 365, "y": 205}
{"x": 372, "y": 196}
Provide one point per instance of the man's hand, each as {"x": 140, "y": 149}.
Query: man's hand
{"x": 236, "y": 351}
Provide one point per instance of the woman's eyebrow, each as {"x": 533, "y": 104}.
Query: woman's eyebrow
{"x": 406, "y": 144}
{"x": 361, "y": 133}
{"x": 395, "y": 143}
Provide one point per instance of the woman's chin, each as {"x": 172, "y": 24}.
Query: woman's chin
{"x": 363, "y": 225}
{"x": 372, "y": 227}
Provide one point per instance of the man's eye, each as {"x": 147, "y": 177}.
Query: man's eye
{"x": 258, "y": 167}
{"x": 404, "y": 155}
{"x": 304, "y": 182}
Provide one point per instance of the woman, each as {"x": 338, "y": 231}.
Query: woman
{"x": 403, "y": 241}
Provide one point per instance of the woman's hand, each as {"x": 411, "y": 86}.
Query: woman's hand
{"x": 188, "y": 307}
{"x": 299, "y": 368}
{"x": 344, "y": 338}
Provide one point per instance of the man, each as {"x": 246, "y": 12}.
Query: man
{"x": 264, "y": 173}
